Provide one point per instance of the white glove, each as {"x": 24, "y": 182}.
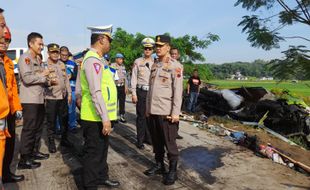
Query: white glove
{"x": 19, "y": 115}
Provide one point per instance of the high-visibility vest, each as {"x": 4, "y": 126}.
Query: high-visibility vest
{"x": 108, "y": 90}
{"x": 4, "y": 102}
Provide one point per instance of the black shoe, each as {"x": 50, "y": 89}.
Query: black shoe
{"x": 179, "y": 137}
{"x": 28, "y": 164}
{"x": 51, "y": 145}
{"x": 64, "y": 142}
{"x": 171, "y": 177}
{"x": 110, "y": 183}
{"x": 122, "y": 119}
{"x": 140, "y": 146}
{"x": 13, "y": 178}
{"x": 39, "y": 156}
{"x": 158, "y": 168}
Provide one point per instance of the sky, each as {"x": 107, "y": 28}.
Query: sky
{"x": 65, "y": 22}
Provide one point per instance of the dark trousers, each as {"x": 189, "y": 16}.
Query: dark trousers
{"x": 143, "y": 133}
{"x": 56, "y": 108}
{"x": 121, "y": 96}
{"x": 9, "y": 147}
{"x": 95, "y": 166}
{"x": 33, "y": 115}
{"x": 163, "y": 134}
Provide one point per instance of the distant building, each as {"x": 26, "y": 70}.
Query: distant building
{"x": 238, "y": 76}
{"x": 266, "y": 78}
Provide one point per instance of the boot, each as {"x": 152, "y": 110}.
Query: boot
{"x": 51, "y": 145}
{"x": 12, "y": 178}
{"x": 27, "y": 163}
{"x": 172, "y": 174}
{"x": 158, "y": 168}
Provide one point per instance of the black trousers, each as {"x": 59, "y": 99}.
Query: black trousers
{"x": 33, "y": 115}
{"x": 9, "y": 147}
{"x": 121, "y": 96}
{"x": 95, "y": 166}
{"x": 143, "y": 133}
{"x": 56, "y": 108}
{"x": 163, "y": 134}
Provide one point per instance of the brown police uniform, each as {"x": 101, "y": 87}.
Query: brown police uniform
{"x": 121, "y": 84}
{"x": 32, "y": 99}
{"x": 165, "y": 99}
{"x": 140, "y": 80}
{"x": 57, "y": 102}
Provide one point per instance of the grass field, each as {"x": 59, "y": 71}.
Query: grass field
{"x": 301, "y": 88}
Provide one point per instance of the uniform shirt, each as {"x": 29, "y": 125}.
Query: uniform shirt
{"x": 166, "y": 86}
{"x": 11, "y": 85}
{"x": 72, "y": 73}
{"x": 121, "y": 73}
{"x": 93, "y": 74}
{"x": 32, "y": 80}
{"x": 62, "y": 88}
{"x": 141, "y": 72}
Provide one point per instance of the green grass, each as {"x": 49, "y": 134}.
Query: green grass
{"x": 301, "y": 88}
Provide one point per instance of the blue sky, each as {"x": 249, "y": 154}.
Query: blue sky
{"x": 65, "y": 22}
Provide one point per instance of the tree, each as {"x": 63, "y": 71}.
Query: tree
{"x": 264, "y": 32}
{"x": 130, "y": 45}
{"x": 293, "y": 66}
{"x": 188, "y": 45}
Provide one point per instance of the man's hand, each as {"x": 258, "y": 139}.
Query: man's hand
{"x": 175, "y": 118}
{"x": 78, "y": 102}
{"x": 54, "y": 82}
{"x": 69, "y": 99}
{"x": 46, "y": 72}
{"x": 106, "y": 130}
{"x": 134, "y": 99}
{"x": 126, "y": 90}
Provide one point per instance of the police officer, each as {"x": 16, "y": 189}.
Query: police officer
{"x": 164, "y": 107}
{"x": 57, "y": 98}
{"x": 15, "y": 111}
{"x": 140, "y": 79}
{"x": 121, "y": 84}
{"x": 98, "y": 109}
{"x": 33, "y": 81}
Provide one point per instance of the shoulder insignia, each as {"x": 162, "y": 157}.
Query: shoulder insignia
{"x": 178, "y": 72}
{"x": 97, "y": 67}
{"x": 27, "y": 60}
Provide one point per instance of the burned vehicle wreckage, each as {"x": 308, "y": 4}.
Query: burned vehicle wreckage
{"x": 251, "y": 104}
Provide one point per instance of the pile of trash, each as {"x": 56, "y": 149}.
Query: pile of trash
{"x": 287, "y": 116}
{"x": 243, "y": 139}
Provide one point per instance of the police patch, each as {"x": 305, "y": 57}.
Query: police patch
{"x": 97, "y": 67}
{"x": 178, "y": 72}
{"x": 27, "y": 60}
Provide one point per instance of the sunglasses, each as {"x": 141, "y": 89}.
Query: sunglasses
{"x": 148, "y": 49}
